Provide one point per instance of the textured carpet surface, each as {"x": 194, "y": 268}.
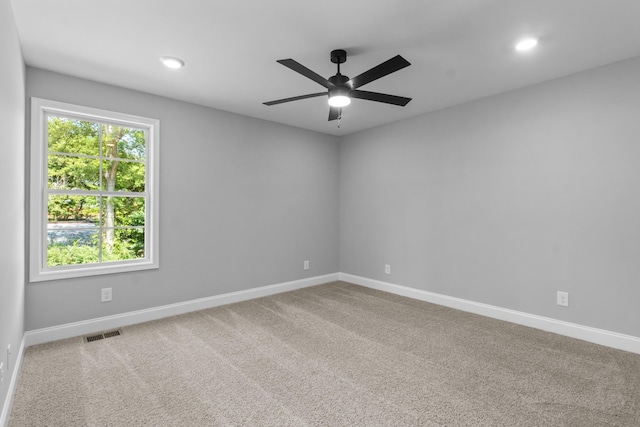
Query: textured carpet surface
{"x": 331, "y": 355}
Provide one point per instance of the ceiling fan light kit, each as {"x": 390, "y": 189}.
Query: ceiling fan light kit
{"x": 339, "y": 98}
{"x": 341, "y": 89}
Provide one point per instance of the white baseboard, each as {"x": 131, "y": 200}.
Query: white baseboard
{"x": 585, "y": 333}
{"x": 8, "y": 402}
{"x": 85, "y": 327}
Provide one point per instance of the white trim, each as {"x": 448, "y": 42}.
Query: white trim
{"x": 38, "y": 271}
{"x": 8, "y": 402}
{"x": 586, "y": 333}
{"x": 573, "y": 330}
{"x": 75, "y": 329}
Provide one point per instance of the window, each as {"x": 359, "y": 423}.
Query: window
{"x": 94, "y": 191}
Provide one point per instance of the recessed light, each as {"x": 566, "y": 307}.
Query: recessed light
{"x": 526, "y": 44}
{"x": 172, "y": 62}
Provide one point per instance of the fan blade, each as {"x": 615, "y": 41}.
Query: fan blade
{"x": 334, "y": 113}
{"x": 295, "y": 98}
{"x": 299, "y": 68}
{"x": 391, "y": 66}
{"x": 380, "y": 97}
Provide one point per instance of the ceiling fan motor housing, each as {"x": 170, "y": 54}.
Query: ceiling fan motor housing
{"x": 341, "y": 87}
{"x": 338, "y": 79}
{"x": 339, "y": 91}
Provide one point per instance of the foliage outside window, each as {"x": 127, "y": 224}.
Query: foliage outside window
{"x": 93, "y": 191}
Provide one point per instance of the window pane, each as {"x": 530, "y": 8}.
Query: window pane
{"x": 123, "y": 211}
{"x": 65, "y": 208}
{"x": 133, "y": 145}
{"x": 73, "y": 136}
{"x": 71, "y": 246}
{"x": 123, "y": 142}
{"x": 123, "y": 244}
{"x": 124, "y": 176}
{"x": 68, "y": 172}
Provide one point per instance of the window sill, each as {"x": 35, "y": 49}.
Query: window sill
{"x": 84, "y": 271}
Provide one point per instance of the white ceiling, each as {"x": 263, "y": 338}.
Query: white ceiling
{"x": 460, "y": 50}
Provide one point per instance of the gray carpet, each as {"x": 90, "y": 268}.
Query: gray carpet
{"x": 330, "y": 355}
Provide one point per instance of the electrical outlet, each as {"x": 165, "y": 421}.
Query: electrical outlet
{"x": 107, "y": 295}
{"x": 306, "y": 265}
{"x": 387, "y": 269}
{"x": 563, "y": 299}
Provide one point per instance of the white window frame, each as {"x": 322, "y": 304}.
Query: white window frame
{"x": 38, "y": 270}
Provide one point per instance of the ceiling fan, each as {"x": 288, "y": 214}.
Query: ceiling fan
{"x": 341, "y": 89}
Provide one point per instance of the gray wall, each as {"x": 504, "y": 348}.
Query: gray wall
{"x": 502, "y": 201}
{"x": 243, "y": 202}
{"x": 508, "y": 199}
{"x": 12, "y": 213}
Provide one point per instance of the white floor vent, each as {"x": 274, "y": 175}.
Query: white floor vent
{"x": 102, "y": 335}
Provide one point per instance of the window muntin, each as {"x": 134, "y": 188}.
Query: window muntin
{"x": 94, "y": 191}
